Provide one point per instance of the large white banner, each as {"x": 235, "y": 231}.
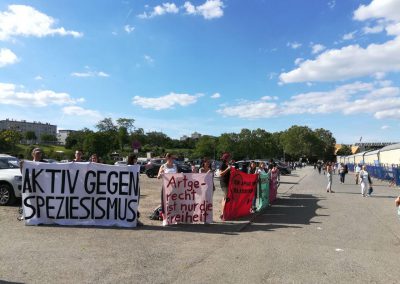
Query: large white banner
{"x": 188, "y": 198}
{"x": 80, "y": 194}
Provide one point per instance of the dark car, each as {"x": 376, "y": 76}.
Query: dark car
{"x": 154, "y": 165}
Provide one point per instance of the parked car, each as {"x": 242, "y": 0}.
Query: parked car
{"x": 10, "y": 180}
{"x": 142, "y": 166}
{"x": 244, "y": 165}
{"x": 120, "y": 163}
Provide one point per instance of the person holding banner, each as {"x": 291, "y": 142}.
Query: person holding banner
{"x": 261, "y": 168}
{"x": 205, "y": 166}
{"x": 225, "y": 171}
{"x": 78, "y": 156}
{"x": 37, "y": 155}
{"x": 253, "y": 168}
{"x": 168, "y": 168}
{"x": 94, "y": 158}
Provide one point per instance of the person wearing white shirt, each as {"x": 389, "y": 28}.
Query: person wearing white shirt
{"x": 357, "y": 170}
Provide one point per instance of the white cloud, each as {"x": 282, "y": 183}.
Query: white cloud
{"x": 384, "y": 127}
{"x": 165, "y": 102}
{"x": 7, "y": 57}
{"x": 393, "y": 113}
{"x": 269, "y": 98}
{"x": 379, "y": 75}
{"x": 21, "y": 20}
{"x": 349, "y": 99}
{"x": 79, "y": 111}
{"x": 148, "y": 59}
{"x": 159, "y": 10}
{"x": 388, "y": 9}
{"x": 10, "y": 95}
{"x": 250, "y": 110}
{"x": 332, "y": 4}
{"x": 190, "y": 8}
{"x": 373, "y": 30}
{"x": 298, "y": 61}
{"x": 216, "y": 96}
{"x": 317, "y": 48}
{"x": 211, "y": 9}
{"x": 294, "y": 45}
{"x": 393, "y": 29}
{"x": 349, "y": 36}
{"x": 129, "y": 29}
{"x": 38, "y": 78}
{"x": 384, "y": 13}
{"x": 90, "y": 74}
{"x": 348, "y": 62}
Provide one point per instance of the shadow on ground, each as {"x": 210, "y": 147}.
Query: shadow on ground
{"x": 290, "y": 212}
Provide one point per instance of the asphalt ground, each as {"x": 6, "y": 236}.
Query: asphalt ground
{"x": 307, "y": 236}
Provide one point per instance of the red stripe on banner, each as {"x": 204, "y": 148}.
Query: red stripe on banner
{"x": 240, "y": 196}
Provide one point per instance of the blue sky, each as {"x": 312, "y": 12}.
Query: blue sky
{"x": 211, "y": 66}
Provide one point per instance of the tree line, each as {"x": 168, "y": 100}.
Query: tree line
{"x": 122, "y": 136}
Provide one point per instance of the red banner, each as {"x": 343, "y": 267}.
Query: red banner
{"x": 240, "y": 196}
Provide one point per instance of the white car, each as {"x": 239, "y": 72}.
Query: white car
{"x": 120, "y": 163}
{"x": 10, "y": 180}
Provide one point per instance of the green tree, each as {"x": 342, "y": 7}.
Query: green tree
{"x": 227, "y": 142}
{"x": 159, "y": 139}
{"x": 9, "y": 140}
{"x": 48, "y": 138}
{"x": 328, "y": 143}
{"x": 75, "y": 139}
{"x": 127, "y": 123}
{"x": 30, "y": 136}
{"x": 106, "y": 125}
{"x": 98, "y": 142}
{"x": 205, "y": 147}
{"x": 123, "y": 137}
{"x": 300, "y": 141}
{"x": 344, "y": 151}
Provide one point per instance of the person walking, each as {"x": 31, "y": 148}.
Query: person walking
{"x": 365, "y": 181}
{"x": 329, "y": 172}
{"x": 357, "y": 170}
{"x": 342, "y": 173}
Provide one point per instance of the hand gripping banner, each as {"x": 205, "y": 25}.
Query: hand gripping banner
{"x": 80, "y": 194}
{"x": 240, "y": 196}
{"x": 187, "y": 198}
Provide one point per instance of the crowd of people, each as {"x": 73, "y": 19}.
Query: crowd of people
{"x": 361, "y": 175}
{"x": 329, "y": 169}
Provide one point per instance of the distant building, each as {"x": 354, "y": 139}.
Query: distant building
{"x": 23, "y": 126}
{"x": 195, "y": 135}
{"x": 62, "y": 135}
